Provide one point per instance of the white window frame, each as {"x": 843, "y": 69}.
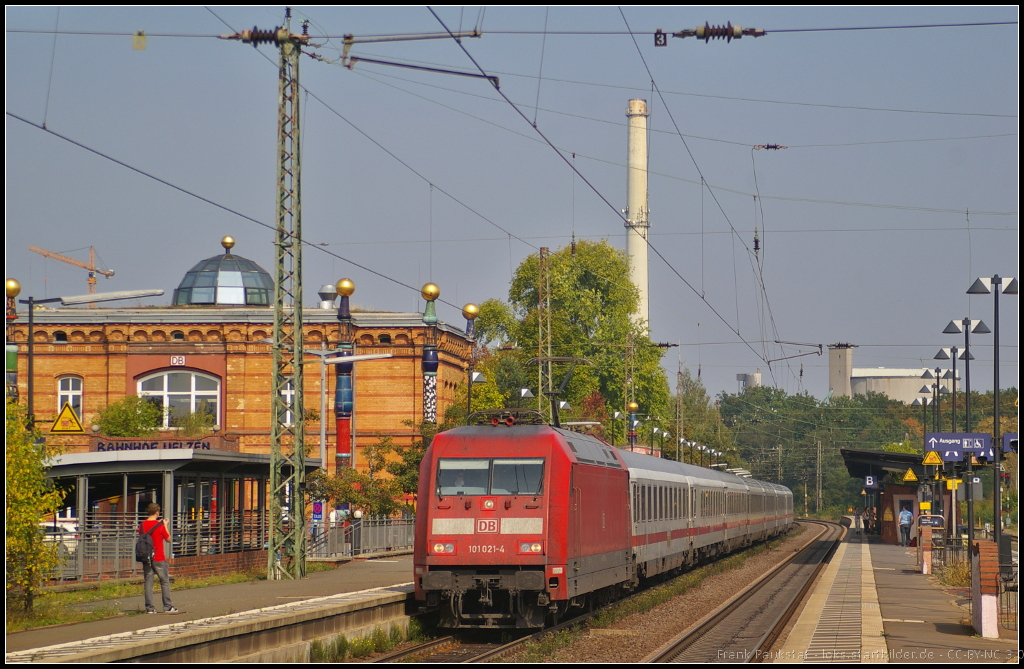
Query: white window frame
{"x": 71, "y": 394}
{"x": 195, "y": 396}
{"x": 288, "y": 395}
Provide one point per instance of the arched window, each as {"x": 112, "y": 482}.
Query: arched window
{"x": 69, "y": 391}
{"x": 182, "y": 392}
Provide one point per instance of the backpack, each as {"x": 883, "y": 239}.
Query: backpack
{"x": 144, "y": 548}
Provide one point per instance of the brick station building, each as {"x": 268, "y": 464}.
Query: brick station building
{"x": 209, "y": 352}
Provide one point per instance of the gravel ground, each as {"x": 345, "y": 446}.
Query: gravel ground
{"x": 635, "y": 637}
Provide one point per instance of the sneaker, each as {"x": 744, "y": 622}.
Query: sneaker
{"x": 150, "y": 611}
{"x": 171, "y": 610}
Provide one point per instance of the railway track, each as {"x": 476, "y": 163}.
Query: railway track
{"x": 744, "y": 628}
{"x": 453, "y": 649}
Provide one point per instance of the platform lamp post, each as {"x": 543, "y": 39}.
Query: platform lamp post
{"x": 67, "y": 301}
{"x": 983, "y": 286}
{"x": 470, "y": 312}
{"x": 967, "y": 326}
{"x": 632, "y": 408}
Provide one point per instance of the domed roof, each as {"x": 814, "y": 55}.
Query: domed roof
{"x": 228, "y": 280}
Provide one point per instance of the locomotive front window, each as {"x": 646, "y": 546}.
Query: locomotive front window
{"x": 463, "y": 476}
{"x": 517, "y": 476}
{"x": 501, "y": 476}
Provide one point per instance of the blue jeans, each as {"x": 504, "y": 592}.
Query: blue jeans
{"x": 905, "y": 534}
{"x": 162, "y": 570}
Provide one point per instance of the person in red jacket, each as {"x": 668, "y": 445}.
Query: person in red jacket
{"x": 159, "y": 566}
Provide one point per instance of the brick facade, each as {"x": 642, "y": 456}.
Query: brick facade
{"x": 111, "y": 350}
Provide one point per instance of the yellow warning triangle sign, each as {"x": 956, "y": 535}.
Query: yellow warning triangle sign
{"x": 909, "y": 476}
{"x": 67, "y": 422}
{"x": 931, "y": 458}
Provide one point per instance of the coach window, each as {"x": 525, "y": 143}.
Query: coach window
{"x": 182, "y": 393}
{"x": 70, "y": 392}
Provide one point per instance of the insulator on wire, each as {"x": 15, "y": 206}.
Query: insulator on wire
{"x": 727, "y": 32}
{"x": 257, "y": 36}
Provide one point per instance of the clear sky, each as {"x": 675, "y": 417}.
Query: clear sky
{"x": 893, "y": 136}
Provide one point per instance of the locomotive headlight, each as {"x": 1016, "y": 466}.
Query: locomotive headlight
{"x": 444, "y": 548}
{"x": 489, "y": 504}
{"x": 529, "y": 547}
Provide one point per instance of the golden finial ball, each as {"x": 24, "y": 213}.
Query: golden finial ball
{"x": 430, "y": 292}
{"x": 13, "y": 288}
{"x": 632, "y": 406}
{"x": 345, "y": 287}
{"x": 228, "y": 243}
{"x": 470, "y": 312}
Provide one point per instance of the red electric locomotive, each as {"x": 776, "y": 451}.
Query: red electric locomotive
{"x": 519, "y": 522}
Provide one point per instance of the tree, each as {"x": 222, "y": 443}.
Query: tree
{"x": 367, "y": 489}
{"x": 131, "y": 416}
{"x": 592, "y": 308}
{"x": 30, "y": 496}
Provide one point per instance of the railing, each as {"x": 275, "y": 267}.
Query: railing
{"x": 950, "y": 550}
{"x": 1008, "y": 596}
{"x": 105, "y": 548}
{"x": 361, "y": 537}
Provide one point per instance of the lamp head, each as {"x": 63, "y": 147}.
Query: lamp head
{"x": 345, "y": 287}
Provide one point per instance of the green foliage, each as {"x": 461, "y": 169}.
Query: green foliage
{"x": 194, "y": 424}
{"x": 761, "y": 419}
{"x": 365, "y": 489}
{"x": 592, "y": 306}
{"x": 29, "y": 497}
{"x": 132, "y": 416}
{"x": 360, "y": 647}
{"x": 330, "y": 651}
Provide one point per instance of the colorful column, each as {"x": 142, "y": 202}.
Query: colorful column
{"x": 344, "y": 396}
{"x": 430, "y": 293}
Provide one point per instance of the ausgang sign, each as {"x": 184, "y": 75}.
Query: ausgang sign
{"x": 951, "y": 446}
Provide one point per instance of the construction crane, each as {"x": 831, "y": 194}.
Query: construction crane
{"x": 91, "y": 265}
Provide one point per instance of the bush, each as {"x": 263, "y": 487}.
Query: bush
{"x": 360, "y": 647}
{"x": 132, "y": 416}
{"x": 332, "y": 651}
{"x": 956, "y": 574}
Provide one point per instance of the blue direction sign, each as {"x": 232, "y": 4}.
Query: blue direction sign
{"x": 1010, "y": 442}
{"x": 951, "y": 446}
{"x": 318, "y": 510}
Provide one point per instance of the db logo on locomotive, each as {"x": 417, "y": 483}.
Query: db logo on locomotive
{"x": 487, "y": 526}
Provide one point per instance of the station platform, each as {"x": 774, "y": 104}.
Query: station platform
{"x": 873, "y": 604}
{"x": 220, "y": 611}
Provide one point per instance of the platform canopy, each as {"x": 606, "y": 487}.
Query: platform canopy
{"x": 862, "y": 463}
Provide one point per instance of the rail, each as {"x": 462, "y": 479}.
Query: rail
{"x": 105, "y": 548}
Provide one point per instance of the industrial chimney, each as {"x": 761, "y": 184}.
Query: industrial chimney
{"x": 636, "y": 203}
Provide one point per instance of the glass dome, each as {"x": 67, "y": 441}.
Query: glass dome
{"x": 227, "y": 280}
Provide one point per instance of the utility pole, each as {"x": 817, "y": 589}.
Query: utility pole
{"x": 544, "y": 331}
{"x": 286, "y": 547}
{"x": 817, "y": 484}
{"x": 679, "y": 411}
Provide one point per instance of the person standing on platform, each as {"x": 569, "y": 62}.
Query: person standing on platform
{"x": 857, "y": 519}
{"x": 159, "y": 565}
{"x": 906, "y": 521}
